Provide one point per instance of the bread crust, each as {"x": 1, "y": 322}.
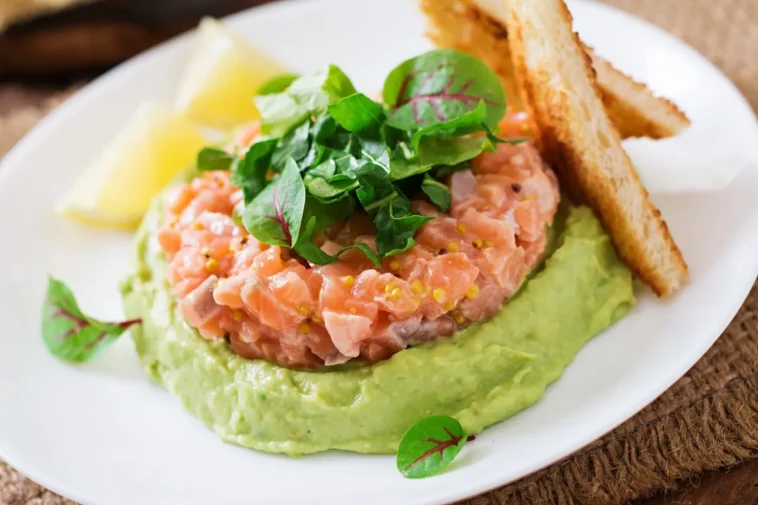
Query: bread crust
{"x": 558, "y": 81}
{"x": 633, "y": 108}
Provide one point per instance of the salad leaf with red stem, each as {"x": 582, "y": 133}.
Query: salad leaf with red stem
{"x": 429, "y": 446}
{"x": 275, "y": 215}
{"x": 71, "y": 335}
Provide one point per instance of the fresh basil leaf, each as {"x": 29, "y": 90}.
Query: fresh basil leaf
{"x": 396, "y": 226}
{"x": 275, "y": 215}
{"x": 68, "y": 333}
{"x": 375, "y": 150}
{"x": 331, "y": 189}
{"x": 376, "y": 189}
{"x": 470, "y": 122}
{"x": 249, "y": 174}
{"x": 437, "y": 192}
{"x": 440, "y": 86}
{"x": 429, "y": 446}
{"x": 316, "y": 155}
{"x": 326, "y": 214}
{"x": 357, "y": 113}
{"x": 440, "y": 151}
{"x": 306, "y": 96}
{"x": 295, "y": 144}
{"x": 442, "y": 171}
{"x": 311, "y": 252}
{"x": 324, "y": 128}
{"x": 276, "y": 84}
{"x": 210, "y": 158}
{"x": 402, "y": 169}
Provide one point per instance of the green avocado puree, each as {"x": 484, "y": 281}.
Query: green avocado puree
{"x": 482, "y": 375}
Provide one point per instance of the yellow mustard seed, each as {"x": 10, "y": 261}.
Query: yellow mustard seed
{"x": 448, "y": 306}
{"x": 198, "y": 225}
{"x": 316, "y": 319}
{"x": 439, "y": 295}
{"x": 348, "y": 280}
{"x": 304, "y": 310}
{"x": 389, "y": 287}
{"x": 396, "y": 293}
{"x": 237, "y": 315}
{"x": 461, "y": 228}
{"x": 417, "y": 286}
{"x": 394, "y": 265}
{"x": 472, "y": 292}
{"x": 304, "y": 327}
{"x": 353, "y": 311}
{"x": 478, "y": 243}
{"x": 452, "y": 246}
{"x": 211, "y": 264}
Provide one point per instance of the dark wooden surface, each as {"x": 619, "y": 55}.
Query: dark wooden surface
{"x": 733, "y": 486}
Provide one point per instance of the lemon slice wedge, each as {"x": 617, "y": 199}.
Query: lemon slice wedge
{"x": 117, "y": 189}
{"x": 222, "y": 76}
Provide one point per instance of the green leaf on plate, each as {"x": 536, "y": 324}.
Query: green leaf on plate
{"x": 306, "y": 96}
{"x": 276, "y": 84}
{"x": 429, "y": 446}
{"x": 68, "y": 333}
{"x": 441, "y": 86}
{"x": 396, "y": 225}
{"x": 275, "y": 215}
{"x": 249, "y": 174}
{"x": 210, "y": 158}
{"x": 356, "y": 113}
{"x": 437, "y": 192}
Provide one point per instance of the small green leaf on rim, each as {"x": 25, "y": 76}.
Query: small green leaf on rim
{"x": 429, "y": 446}
{"x": 68, "y": 333}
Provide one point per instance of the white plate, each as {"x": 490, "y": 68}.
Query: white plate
{"x": 101, "y": 434}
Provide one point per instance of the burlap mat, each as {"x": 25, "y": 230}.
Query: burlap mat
{"x": 707, "y": 420}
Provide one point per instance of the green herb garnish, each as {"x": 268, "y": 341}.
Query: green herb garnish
{"x": 324, "y": 144}
{"x": 68, "y": 333}
{"x": 429, "y": 446}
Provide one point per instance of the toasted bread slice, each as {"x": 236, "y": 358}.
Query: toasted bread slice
{"x": 477, "y": 27}
{"x": 632, "y": 107}
{"x": 557, "y": 78}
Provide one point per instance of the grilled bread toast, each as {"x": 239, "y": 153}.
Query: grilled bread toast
{"x": 477, "y": 27}
{"x": 557, "y": 79}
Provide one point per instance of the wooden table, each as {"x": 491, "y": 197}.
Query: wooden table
{"x": 734, "y": 486}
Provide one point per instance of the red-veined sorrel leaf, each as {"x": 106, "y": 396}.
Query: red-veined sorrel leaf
{"x": 441, "y": 86}
{"x": 276, "y": 214}
{"x": 68, "y": 333}
{"x": 429, "y": 446}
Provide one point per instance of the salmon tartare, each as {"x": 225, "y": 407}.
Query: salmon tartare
{"x": 272, "y": 305}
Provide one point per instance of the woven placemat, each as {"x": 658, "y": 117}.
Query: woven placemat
{"x": 707, "y": 420}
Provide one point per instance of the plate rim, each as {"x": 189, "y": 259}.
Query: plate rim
{"x": 11, "y": 162}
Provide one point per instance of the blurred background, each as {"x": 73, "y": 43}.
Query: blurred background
{"x": 49, "y": 48}
{"x": 48, "y": 40}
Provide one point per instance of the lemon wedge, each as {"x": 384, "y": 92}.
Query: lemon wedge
{"x": 117, "y": 189}
{"x": 222, "y": 76}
